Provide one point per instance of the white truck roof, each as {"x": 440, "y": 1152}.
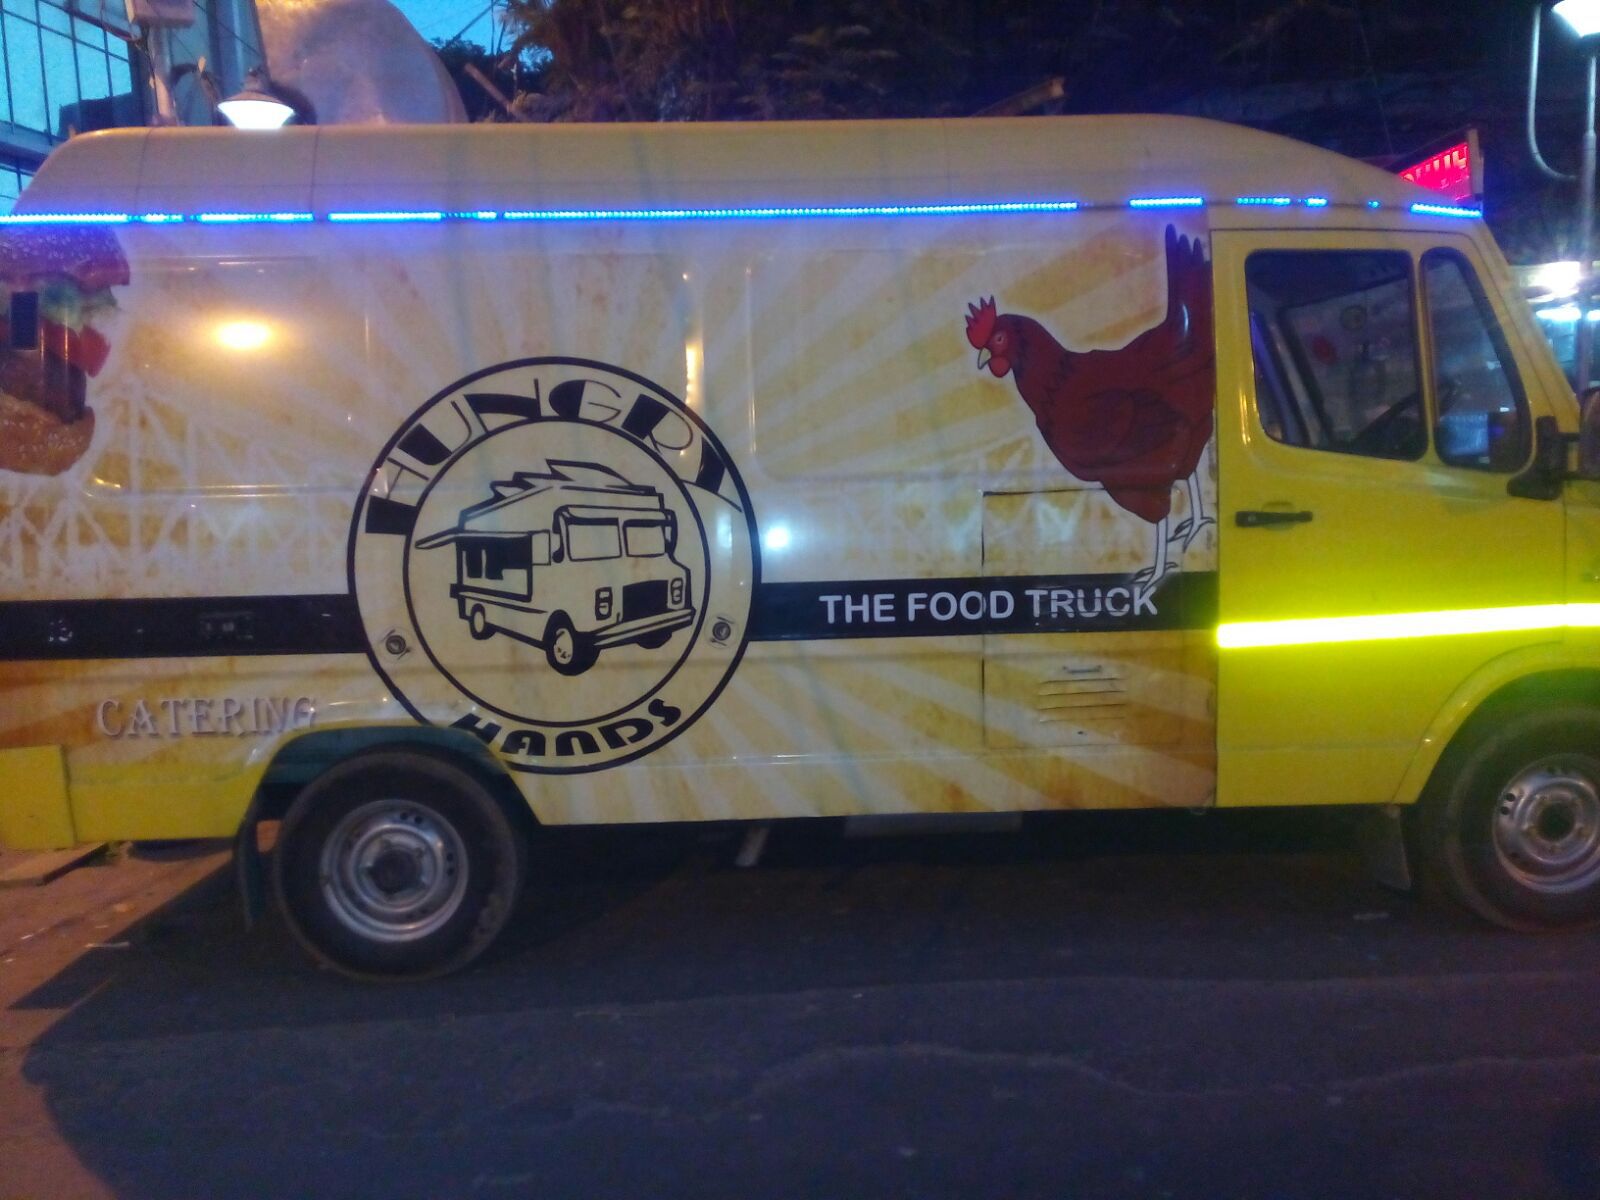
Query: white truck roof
{"x": 1099, "y": 160}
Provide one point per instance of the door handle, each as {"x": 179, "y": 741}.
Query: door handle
{"x": 1254, "y": 518}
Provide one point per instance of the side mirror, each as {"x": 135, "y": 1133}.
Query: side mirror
{"x": 1589, "y": 436}
{"x": 1544, "y": 475}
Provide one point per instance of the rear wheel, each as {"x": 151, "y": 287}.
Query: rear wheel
{"x": 397, "y": 864}
{"x": 654, "y": 641}
{"x": 478, "y": 624}
{"x": 1513, "y": 830}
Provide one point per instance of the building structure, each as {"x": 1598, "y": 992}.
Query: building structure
{"x": 71, "y": 66}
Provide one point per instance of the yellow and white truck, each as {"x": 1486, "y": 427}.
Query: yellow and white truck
{"x": 421, "y": 488}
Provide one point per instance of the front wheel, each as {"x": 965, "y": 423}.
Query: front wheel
{"x": 1513, "y": 830}
{"x": 397, "y": 864}
{"x": 567, "y": 650}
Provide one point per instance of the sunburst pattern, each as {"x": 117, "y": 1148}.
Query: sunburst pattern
{"x": 830, "y": 359}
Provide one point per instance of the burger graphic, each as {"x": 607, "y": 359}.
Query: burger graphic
{"x": 55, "y": 304}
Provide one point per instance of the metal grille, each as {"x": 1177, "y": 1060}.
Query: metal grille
{"x": 646, "y": 599}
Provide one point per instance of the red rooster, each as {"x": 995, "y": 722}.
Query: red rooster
{"x": 1135, "y": 420}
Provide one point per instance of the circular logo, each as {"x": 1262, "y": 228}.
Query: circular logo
{"x": 558, "y": 557}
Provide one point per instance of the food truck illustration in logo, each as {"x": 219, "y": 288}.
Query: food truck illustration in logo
{"x": 572, "y": 560}
{"x": 558, "y": 557}
{"x": 1137, "y": 419}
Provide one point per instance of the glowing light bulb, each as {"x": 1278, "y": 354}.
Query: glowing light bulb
{"x": 243, "y": 336}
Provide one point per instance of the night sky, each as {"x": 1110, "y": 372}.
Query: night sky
{"x": 439, "y": 19}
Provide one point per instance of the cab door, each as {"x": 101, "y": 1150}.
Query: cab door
{"x": 1370, "y": 415}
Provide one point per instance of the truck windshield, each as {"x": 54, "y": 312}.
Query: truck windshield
{"x": 646, "y": 539}
{"x": 593, "y": 539}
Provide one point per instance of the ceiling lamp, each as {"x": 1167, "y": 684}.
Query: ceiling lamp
{"x": 256, "y": 107}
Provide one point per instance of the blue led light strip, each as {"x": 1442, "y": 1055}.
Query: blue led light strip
{"x": 854, "y": 210}
{"x": 277, "y": 218}
{"x": 66, "y": 219}
{"x": 1444, "y": 210}
{"x": 385, "y": 216}
{"x": 400, "y": 216}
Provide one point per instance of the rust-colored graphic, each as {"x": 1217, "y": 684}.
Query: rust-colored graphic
{"x": 55, "y": 301}
{"x": 1136, "y": 419}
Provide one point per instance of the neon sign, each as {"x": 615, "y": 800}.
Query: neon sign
{"x": 1449, "y": 172}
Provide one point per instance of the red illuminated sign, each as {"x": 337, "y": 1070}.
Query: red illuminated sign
{"x": 1449, "y": 172}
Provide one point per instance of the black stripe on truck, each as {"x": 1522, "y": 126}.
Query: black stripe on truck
{"x": 201, "y": 627}
{"x": 180, "y": 627}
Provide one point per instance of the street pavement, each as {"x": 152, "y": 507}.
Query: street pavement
{"x": 1097, "y": 1006}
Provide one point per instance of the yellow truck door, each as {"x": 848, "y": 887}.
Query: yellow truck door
{"x": 1371, "y": 414}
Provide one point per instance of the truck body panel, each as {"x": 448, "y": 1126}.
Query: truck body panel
{"x": 737, "y": 406}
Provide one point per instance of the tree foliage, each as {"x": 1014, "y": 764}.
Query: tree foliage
{"x": 458, "y": 55}
{"x": 1371, "y": 78}
{"x": 730, "y": 59}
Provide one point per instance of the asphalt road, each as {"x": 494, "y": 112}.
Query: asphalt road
{"x": 1101, "y": 1007}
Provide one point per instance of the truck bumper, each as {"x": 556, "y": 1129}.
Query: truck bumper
{"x": 632, "y": 631}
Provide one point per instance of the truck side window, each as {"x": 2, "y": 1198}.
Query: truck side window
{"x": 1482, "y": 411}
{"x": 1334, "y": 338}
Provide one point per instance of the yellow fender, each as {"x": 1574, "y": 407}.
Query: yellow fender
{"x": 1471, "y": 695}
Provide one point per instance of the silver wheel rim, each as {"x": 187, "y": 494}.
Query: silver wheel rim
{"x": 393, "y": 871}
{"x": 563, "y": 646}
{"x": 1547, "y": 826}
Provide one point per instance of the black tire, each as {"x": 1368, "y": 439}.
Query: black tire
{"x": 478, "y": 624}
{"x": 1510, "y": 825}
{"x": 654, "y": 641}
{"x": 397, "y": 864}
{"x": 565, "y": 649}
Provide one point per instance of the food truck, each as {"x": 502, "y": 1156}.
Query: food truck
{"x": 423, "y": 489}
{"x": 572, "y": 561}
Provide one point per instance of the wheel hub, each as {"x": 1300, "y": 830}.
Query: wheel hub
{"x": 393, "y": 871}
{"x": 1547, "y": 827}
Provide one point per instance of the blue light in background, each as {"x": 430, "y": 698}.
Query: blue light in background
{"x": 1316, "y": 202}
{"x": 1166, "y": 202}
{"x": 1264, "y": 201}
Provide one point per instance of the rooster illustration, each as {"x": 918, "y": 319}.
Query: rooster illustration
{"x": 1135, "y": 420}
